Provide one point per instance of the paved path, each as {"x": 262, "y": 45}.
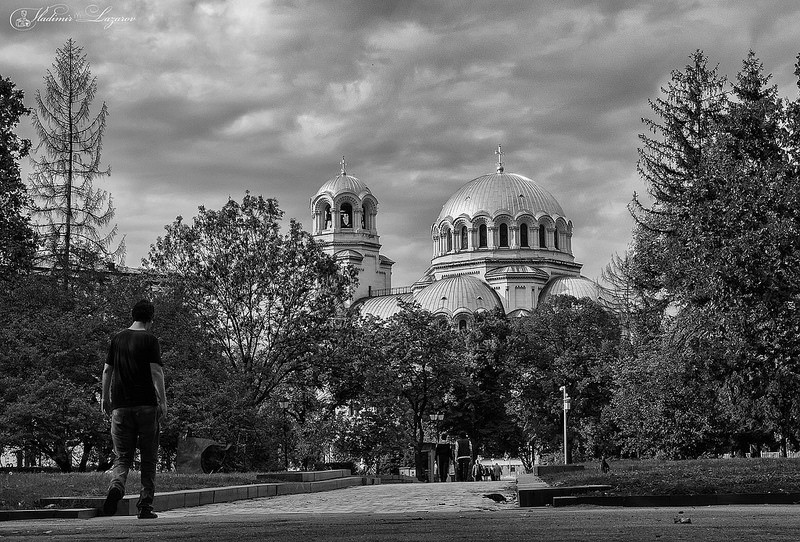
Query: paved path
{"x": 379, "y": 499}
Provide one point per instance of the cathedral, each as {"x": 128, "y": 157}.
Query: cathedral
{"x": 501, "y": 240}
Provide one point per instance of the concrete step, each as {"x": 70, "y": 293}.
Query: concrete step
{"x": 543, "y": 496}
{"x": 197, "y": 497}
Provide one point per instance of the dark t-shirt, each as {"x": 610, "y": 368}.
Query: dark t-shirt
{"x": 444, "y": 450}
{"x": 131, "y": 354}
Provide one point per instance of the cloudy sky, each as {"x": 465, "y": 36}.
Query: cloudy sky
{"x": 209, "y": 99}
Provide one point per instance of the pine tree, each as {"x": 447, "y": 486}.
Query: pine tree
{"x": 16, "y": 235}
{"x": 71, "y": 211}
{"x": 670, "y": 163}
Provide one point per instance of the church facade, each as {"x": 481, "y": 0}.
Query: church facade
{"x": 501, "y": 240}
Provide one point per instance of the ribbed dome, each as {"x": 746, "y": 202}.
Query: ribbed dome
{"x": 458, "y": 294}
{"x": 383, "y": 307}
{"x": 343, "y": 183}
{"x": 498, "y": 191}
{"x": 575, "y": 286}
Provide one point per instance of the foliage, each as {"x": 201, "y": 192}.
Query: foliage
{"x": 565, "y": 342}
{"x": 70, "y": 211}
{"x": 420, "y": 364}
{"x": 55, "y": 344}
{"x": 17, "y": 240}
{"x": 265, "y": 298}
{"x": 718, "y": 246}
{"x": 483, "y": 387}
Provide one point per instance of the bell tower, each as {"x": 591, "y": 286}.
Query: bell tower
{"x": 344, "y": 221}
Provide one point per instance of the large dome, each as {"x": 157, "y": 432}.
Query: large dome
{"x": 506, "y": 192}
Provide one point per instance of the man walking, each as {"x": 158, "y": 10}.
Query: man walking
{"x": 134, "y": 396}
{"x": 463, "y": 457}
{"x": 444, "y": 454}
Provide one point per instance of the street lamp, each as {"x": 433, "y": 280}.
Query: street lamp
{"x": 284, "y": 404}
{"x": 567, "y": 405}
{"x": 437, "y": 418}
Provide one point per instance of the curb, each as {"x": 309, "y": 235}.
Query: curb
{"x": 532, "y": 496}
{"x": 677, "y": 500}
{"x": 89, "y": 507}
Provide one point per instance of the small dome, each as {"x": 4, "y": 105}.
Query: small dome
{"x": 343, "y": 183}
{"x": 575, "y": 286}
{"x": 455, "y": 295}
{"x": 500, "y": 191}
{"x": 383, "y": 307}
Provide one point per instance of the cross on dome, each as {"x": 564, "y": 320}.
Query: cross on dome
{"x": 499, "y": 152}
{"x": 343, "y": 164}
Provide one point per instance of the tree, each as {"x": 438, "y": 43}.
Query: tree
{"x": 55, "y": 342}
{"x": 670, "y": 165}
{"x": 421, "y": 359}
{"x": 565, "y": 342}
{"x": 482, "y": 388}
{"x": 744, "y": 242}
{"x": 719, "y": 245}
{"x": 71, "y": 211}
{"x": 266, "y": 298}
{"x": 16, "y": 236}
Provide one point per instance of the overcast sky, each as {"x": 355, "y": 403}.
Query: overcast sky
{"x": 208, "y": 99}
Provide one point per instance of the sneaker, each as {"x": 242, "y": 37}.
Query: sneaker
{"x": 112, "y": 499}
{"x": 147, "y": 513}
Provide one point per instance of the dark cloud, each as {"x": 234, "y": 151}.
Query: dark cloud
{"x": 212, "y": 98}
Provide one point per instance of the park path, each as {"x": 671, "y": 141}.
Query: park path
{"x": 377, "y": 499}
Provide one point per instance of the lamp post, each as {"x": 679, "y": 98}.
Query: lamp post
{"x": 567, "y": 405}
{"x": 284, "y": 404}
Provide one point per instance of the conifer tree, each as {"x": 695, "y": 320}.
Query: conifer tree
{"x": 670, "y": 163}
{"x": 71, "y": 211}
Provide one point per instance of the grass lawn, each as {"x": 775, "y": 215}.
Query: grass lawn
{"x": 23, "y": 490}
{"x": 691, "y": 477}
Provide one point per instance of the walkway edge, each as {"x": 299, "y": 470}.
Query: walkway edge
{"x": 87, "y": 507}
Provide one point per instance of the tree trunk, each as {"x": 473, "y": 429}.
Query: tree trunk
{"x": 87, "y": 450}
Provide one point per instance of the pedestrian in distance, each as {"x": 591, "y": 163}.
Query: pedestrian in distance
{"x": 497, "y": 472}
{"x": 444, "y": 455}
{"x": 134, "y": 397}
{"x": 604, "y": 467}
{"x": 477, "y": 470}
{"x": 463, "y": 457}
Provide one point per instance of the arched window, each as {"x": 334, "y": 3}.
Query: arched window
{"x": 328, "y": 221}
{"x": 504, "y": 235}
{"x": 542, "y": 237}
{"x": 346, "y": 215}
{"x": 523, "y": 235}
{"x": 555, "y": 239}
{"x": 463, "y": 238}
{"x": 462, "y": 325}
{"x": 449, "y": 240}
{"x": 364, "y": 218}
{"x": 482, "y": 237}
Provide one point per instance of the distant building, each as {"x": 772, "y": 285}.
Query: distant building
{"x": 501, "y": 240}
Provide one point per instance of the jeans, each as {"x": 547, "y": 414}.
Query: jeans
{"x": 463, "y": 469}
{"x": 128, "y": 425}
{"x": 444, "y": 468}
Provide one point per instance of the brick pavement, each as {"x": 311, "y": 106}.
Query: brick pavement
{"x": 377, "y": 499}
